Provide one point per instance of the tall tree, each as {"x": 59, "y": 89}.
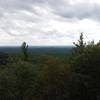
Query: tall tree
{"x": 80, "y": 43}
{"x": 24, "y": 51}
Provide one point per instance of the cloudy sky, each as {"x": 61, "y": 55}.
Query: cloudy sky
{"x": 48, "y": 22}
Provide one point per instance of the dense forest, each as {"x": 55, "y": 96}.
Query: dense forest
{"x": 73, "y": 76}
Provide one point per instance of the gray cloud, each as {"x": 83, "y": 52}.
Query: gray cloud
{"x": 80, "y": 11}
{"x": 61, "y": 7}
{"x": 65, "y": 9}
{"x": 32, "y": 18}
{"x": 15, "y": 4}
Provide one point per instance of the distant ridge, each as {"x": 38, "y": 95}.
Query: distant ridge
{"x": 37, "y": 49}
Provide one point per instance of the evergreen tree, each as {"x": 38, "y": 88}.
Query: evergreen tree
{"x": 80, "y": 43}
{"x": 24, "y": 51}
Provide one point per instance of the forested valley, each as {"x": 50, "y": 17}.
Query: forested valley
{"x": 72, "y": 76}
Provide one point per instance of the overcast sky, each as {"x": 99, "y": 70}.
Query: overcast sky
{"x": 48, "y": 22}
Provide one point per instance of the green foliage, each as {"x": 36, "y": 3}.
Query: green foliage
{"x": 24, "y": 51}
{"x": 86, "y": 63}
{"x": 18, "y": 80}
{"x": 54, "y": 79}
{"x": 51, "y": 76}
{"x": 4, "y": 58}
{"x": 80, "y": 43}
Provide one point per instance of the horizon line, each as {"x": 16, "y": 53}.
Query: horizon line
{"x": 36, "y": 45}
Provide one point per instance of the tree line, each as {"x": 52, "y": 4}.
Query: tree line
{"x": 52, "y": 79}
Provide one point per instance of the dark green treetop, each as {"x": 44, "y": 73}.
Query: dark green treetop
{"x": 80, "y": 43}
{"x": 24, "y": 51}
